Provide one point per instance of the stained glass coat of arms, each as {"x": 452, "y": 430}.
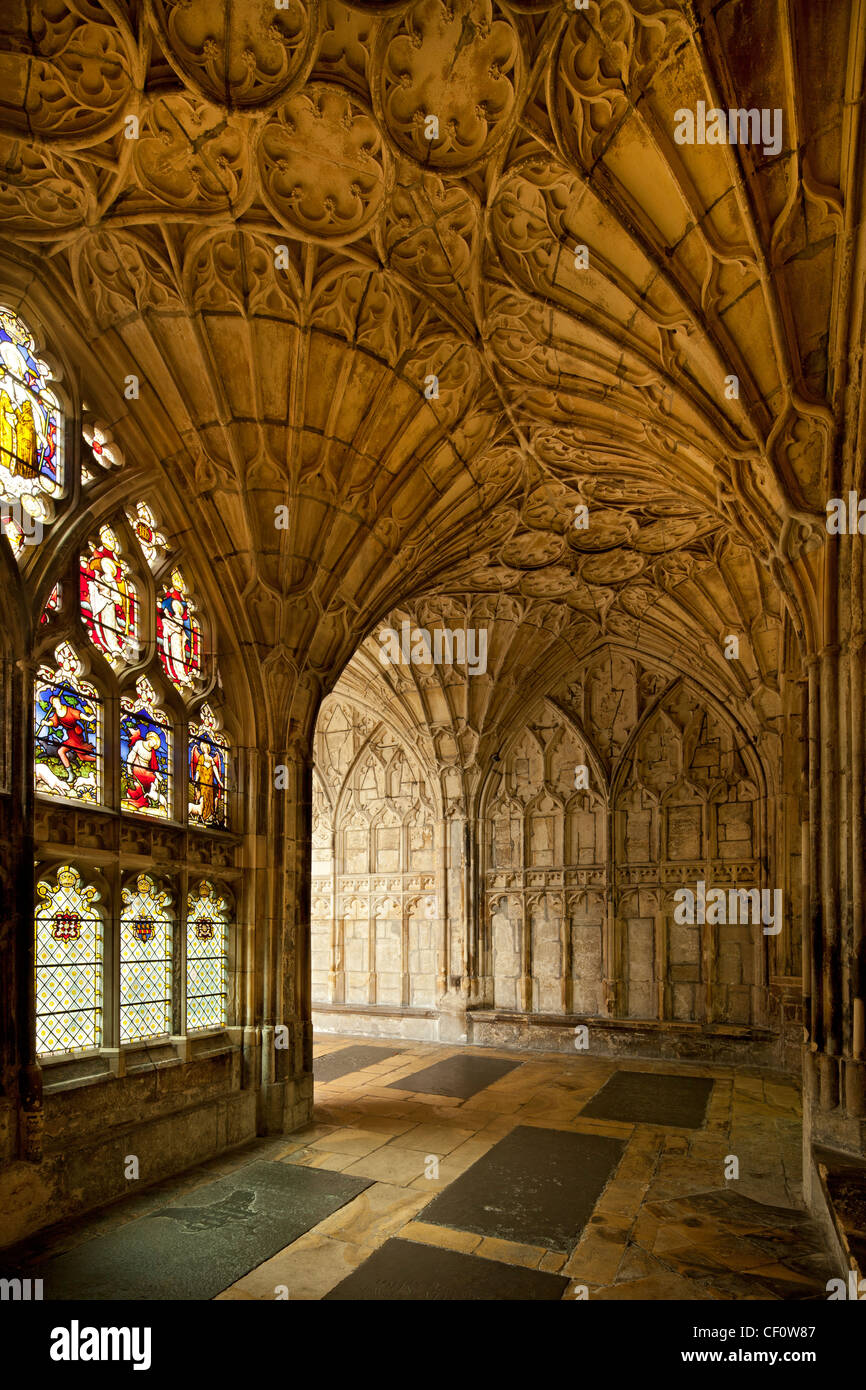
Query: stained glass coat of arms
{"x": 68, "y": 965}
{"x": 145, "y": 961}
{"x": 152, "y": 541}
{"x": 206, "y": 958}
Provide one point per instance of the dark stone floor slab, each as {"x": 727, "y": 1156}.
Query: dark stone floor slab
{"x": 340, "y": 1063}
{"x": 638, "y": 1097}
{"x": 404, "y": 1270}
{"x": 196, "y": 1246}
{"x": 536, "y": 1186}
{"x": 457, "y": 1076}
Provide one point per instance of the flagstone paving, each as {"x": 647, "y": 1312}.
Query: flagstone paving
{"x": 667, "y": 1223}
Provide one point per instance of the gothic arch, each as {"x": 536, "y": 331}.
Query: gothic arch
{"x": 369, "y": 948}
{"x": 689, "y": 804}
{"x": 541, "y": 837}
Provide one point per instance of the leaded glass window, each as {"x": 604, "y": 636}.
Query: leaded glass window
{"x": 67, "y": 713}
{"x": 109, "y": 602}
{"x": 208, "y": 918}
{"x": 23, "y": 520}
{"x": 178, "y": 634}
{"x": 145, "y": 751}
{"x": 208, "y": 772}
{"x": 68, "y": 965}
{"x": 51, "y": 605}
{"x": 152, "y": 542}
{"x": 12, "y": 529}
{"x": 103, "y": 449}
{"x": 31, "y": 437}
{"x": 145, "y": 961}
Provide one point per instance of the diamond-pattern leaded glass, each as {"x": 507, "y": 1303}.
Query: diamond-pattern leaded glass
{"x": 68, "y": 965}
{"x": 207, "y": 927}
{"x": 145, "y": 961}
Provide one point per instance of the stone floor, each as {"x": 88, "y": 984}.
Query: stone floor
{"x": 668, "y": 1224}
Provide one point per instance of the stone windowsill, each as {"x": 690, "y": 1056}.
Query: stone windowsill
{"x": 70, "y": 1073}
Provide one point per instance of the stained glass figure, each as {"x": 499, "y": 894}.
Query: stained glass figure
{"x": 152, "y": 542}
{"x": 145, "y": 750}
{"x": 109, "y": 604}
{"x": 68, "y": 965}
{"x": 52, "y": 604}
{"x": 67, "y": 715}
{"x": 145, "y": 961}
{"x": 208, "y": 772}
{"x": 178, "y": 634}
{"x": 31, "y": 421}
{"x": 207, "y": 927}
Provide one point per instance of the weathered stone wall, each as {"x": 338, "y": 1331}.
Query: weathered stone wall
{"x": 169, "y": 1116}
{"x": 585, "y": 834}
{"x": 376, "y": 923}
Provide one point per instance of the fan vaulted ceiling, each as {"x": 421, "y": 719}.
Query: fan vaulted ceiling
{"x": 302, "y": 375}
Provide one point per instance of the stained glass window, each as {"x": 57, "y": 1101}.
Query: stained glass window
{"x": 67, "y": 715}
{"x": 31, "y": 425}
{"x": 152, "y": 542}
{"x": 12, "y": 530}
{"x": 145, "y": 961}
{"x": 207, "y": 928}
{"x": 109, "y": 603}
{"x": 178, "y": 634}
{"x": 51, "y": 605}
{"x": 68, "y": 965}
{"x": 208, "y": 772}
{"x": 145, "y": 750}
{"x": 102, "y": 447}
{"x": 23, "y": 520}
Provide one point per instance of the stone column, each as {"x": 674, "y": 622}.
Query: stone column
{"x": 834, "y": 1081}
{"x": 459, "y": 912}
{"x": 287, "y": 1031}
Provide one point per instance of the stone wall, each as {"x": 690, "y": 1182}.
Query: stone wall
{"x": 621, "y": 789}
{"x": 376, "y": 927}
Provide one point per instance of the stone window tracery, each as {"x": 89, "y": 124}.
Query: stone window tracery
{"x": 128, "y": 723}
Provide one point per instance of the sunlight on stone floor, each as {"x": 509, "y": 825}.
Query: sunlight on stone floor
{"x": 666, "y": 1223}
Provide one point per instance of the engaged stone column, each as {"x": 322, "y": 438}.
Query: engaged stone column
{"x": 287, "y": 1030}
